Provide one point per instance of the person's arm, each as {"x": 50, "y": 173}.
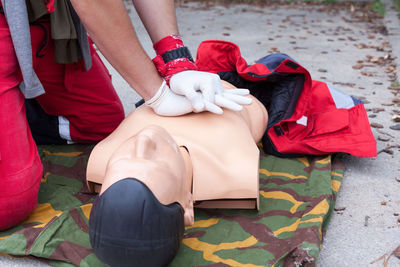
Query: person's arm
{"x": 110, "y": 27}
{"x": 158, "y": 17}
{"x": 203, "y": 89}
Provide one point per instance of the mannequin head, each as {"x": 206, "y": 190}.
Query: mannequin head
{"x": 153, "y": 157}
{"x": 144, "y": 202}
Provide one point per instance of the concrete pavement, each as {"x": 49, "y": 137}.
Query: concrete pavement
{"x": 342, "y": 44}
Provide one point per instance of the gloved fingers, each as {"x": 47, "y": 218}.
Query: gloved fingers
{"x": 219, "y": 89}
{"x": 239, "y": 99}
{"x": 197, "y": 102}
{"x": 167, "y": 103}
{"x": 174, "y": 105}
{"x": 211, "y": 107}
{"x": 237, "y": 91}
{"x": 227, "y": 103}
{"x": 209, "y": 84}
{"x": 207, "y": 92}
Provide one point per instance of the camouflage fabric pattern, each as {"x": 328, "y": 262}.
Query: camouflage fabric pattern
{"x": 297, "y": 198}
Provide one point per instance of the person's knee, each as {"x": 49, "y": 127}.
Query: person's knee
{"x": 15, "y": 208}
{"x": 128, "y": 226}
{"x": 20, "y": 169}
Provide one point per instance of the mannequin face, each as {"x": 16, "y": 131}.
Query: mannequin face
{"x": 153, "y": 157}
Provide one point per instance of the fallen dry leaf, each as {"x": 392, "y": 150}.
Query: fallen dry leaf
{"x": 376, "y": 125}
{"x": 396, "y": 118}
{"x": 377, "y": 110}
{"x": 358, "y": 66}
{"x": 368, "y": 74}
{"x": 396, "y": 252}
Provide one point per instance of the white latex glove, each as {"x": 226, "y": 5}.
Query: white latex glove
{"x": 212, "y": 95}
{"x": 167, "y": 103}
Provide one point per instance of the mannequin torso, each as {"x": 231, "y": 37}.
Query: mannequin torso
{"x": 222, "y": 151}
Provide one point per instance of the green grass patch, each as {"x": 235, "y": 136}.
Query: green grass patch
{"x": 379, "y": 8}
{"x": 395, "y": 84}
{"x": 396, "y": 4}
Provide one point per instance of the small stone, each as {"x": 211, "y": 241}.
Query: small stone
{"x": 366, "y": 220}
{"x": 398, "y": 220}
{"x": 376, "y": 125}
{"x": 322, "y": 70}
{"x": 395, "y": 127}
{"x": 383, "y": 203}
{"x": 383, "y": 138}
{"x": 398, "y": 179}
{"x": 395, "y": 214}
{"x": 372, "y": 115}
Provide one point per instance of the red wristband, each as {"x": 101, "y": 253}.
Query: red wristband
{"x": 168, "y": 43}
{"x": 172, "y": 57}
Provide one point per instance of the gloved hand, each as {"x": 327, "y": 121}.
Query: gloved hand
{"x": 167, "y": 103}
{"x": 203, "y": 88}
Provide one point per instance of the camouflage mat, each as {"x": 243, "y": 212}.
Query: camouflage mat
{"x": 297, "y": 198}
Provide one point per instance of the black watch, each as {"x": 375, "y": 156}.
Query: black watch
{"x": 182, "y": 52}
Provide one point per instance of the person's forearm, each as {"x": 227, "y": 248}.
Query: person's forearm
{"x": 158, "y": 16}
{"x": 110, "y": 27}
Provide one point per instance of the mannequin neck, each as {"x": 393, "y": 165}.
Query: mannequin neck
{"x": 188, "y": 166}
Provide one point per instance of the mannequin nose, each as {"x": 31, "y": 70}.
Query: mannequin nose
{"x": 145, "y": 147}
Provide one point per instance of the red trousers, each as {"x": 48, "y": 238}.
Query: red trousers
{"x": 87, "y": 99}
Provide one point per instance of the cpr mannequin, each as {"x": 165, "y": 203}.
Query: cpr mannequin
{"x": 153, "y": 170}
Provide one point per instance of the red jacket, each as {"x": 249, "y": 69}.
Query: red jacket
{"x": 306, "y": 117}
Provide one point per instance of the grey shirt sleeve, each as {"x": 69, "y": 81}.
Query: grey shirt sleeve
{"x": 17, "y": 19}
